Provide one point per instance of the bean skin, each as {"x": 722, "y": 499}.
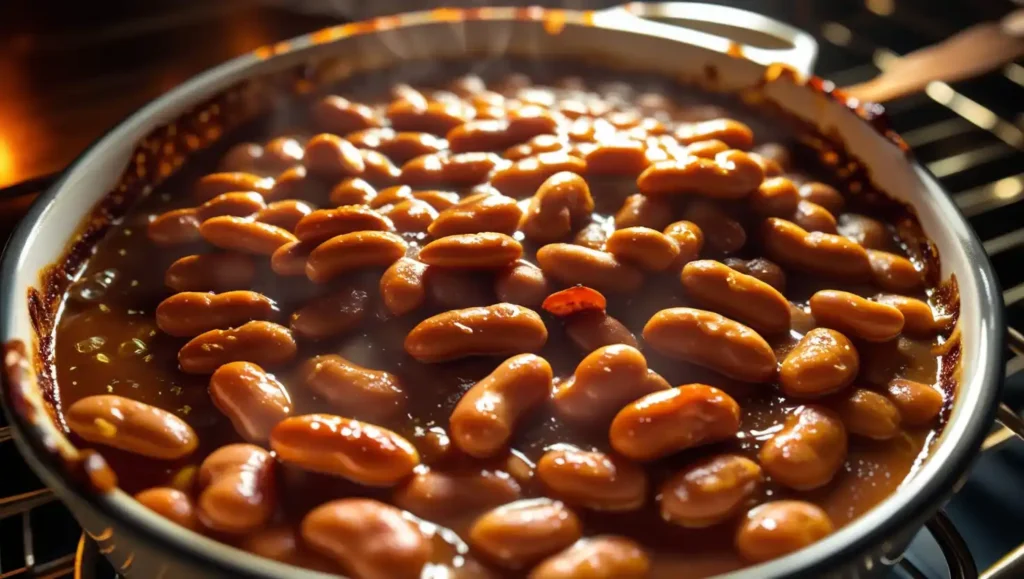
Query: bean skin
{"x": 593, "y": 480}
{"x": 760, "y": 268}
{"x": 352, "y": 389}
{"x": 331, "y": 157}
{"x": 573, "y": 264}
{"x": 253, "y": 400}
{"x": 823, "y": 362}
{"x": 690, "y": 239}
{"x": 282, "y": 543}
{"x": 740, "y": 296}
{"x": 894, "y": 273}
{"x": 721, "y": 232}
{"x": 211, "y": 272}
{"x": 131, "y": 426}
{"x": 776, "y": 197}
{"x": 472, "y": 251}
{"x": 733, "y": 133}
{"x": 402, "y": 286}
{"x": 216, "y": 184}
{"x": 868, "y": 414}
{"x": 171, "y": 504}
{"x": 262, "y": 343}
{"x": 352, "y": 251}
{"x": 710, "y": 491}
{"x": 919, "y": 404}
{"x": 642, "y": 211}
{"x": 523, "y": 284}
{"x": 918, "y": 318}
{"x": 823, "y": 195}
{"x": 290, "y": 258}
{"x": 323, "y": 224}
{"x": 670, "y": 421}
{"x": 340, "y": 116}
{"x": 439, "y": 494}
{"x": 591, "y": 329}
{"x": 713, "y": 341}
{"x": 285, "y": 214}
{"x": 238, "y": 204}
{"x": 562, "y": 202}
{"x": 371, "y": 539}
{"x": 814, "y": 217}
{"x": 823, "y": 254}
{"x": 238, "y": 489}
{"x": 483, "y": 421}
{"x": 244, "y": 235}
{"x": 500, "y": 329}
{"x": 646, "y": 248}
{"x": 352, "y": 191}
{"x": 525, "y": 176}
{"x": 808, "y": 451}
{"x": 856, "y": 316}
{"x": 600, "y": 557}
{"x": 175, "y": 227}
{"x": 519, "y": 534}
{"x": 869, "y": 233}
{"x": 343, "y": 447}
{"x": 477, "y": 214}
{"x": 189, "y": 314}
{"x": 330, "y": 315}
{"x": 604, "y": 382}
{"x": 731, "y": 175}
{"x": 781, "y": 527}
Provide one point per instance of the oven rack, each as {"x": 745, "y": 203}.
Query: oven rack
{"x": 974, "y": 148}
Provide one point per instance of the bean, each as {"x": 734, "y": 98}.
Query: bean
{"x": 472, "y": 251}
{"x": 353, "y": 251}
{"x": 391, "y": 196}
{"x": 522, "y": 283}
{"x": 593, "y": 235}
{"x": 402, "y": 286}
{"x": 592, "y": 329}
{"x": 851, "y": 314}
{"x": 808, "y": 451}
{"x": 331, "y": 157}
{"x": 823, "y": 361}
{"x": 437, "y": 118}
{"x": 282, "y": 543}
{"x": 669, "y": 421}
{"x": 600, "y": 557}
{"x": 519, "y": 534}
{"x": 460, "y": 169}
{"x": 868, "y": 414}
{"x": 823, "y": 195}
{"x": 233, "y": 204}
{"x": 869, "y": 233}
{"x": 323, "y": 224}
{"x": 605, "y": 381}
{"x": 334, "y": 114}
{"x": 690, "y": 239}
{"x": 813, "y": 217}
{"x": 262, "y": 343}
{"x": 734, "y": 133}
{"x": 731, "y": 175}
{"x": 352, "y": 191}
{"x": 721, "y": 232}
{"x": 713, "y": 341}
{"x": 500, "y": 329}
{"x": 131, "y": 426}
{"x": 398, "y": 146}
{"x": 454, "y": 289}
{"x": 174, "y": 227}
{"x": 535, "y": 146}
{"x": 211, "y": 272}
{"x": 352, "y": 389}
{"x": 770, "y": 167}
{"x": 189, "y": 314}
{"x": 242, "y": 158}
{"x": 290, "y": 258}
{"x": 215, "y": 184}
{"x": 404, "y": 92}
{"x": 761, "y": 269}
{"x": 483, "y": 421}
{"x": 330, "y": 315}
{"x": 919, "y": 404}
{"x": 618, "y": 158}
{"x": 171, "y": 504}
{"x": 294, "y": 182}
{"x": 894, "y": 273}
{"x": 370, "y": 539}
{"x": 477, "y": 214}
{"x": 646, "y": 248}
{"x": 593, "y": 480}
{"x": 438, "y": 200}
{"x": 778, "y": 528}
{"x": 380, "y": 171}
{"x": 776, "y": 197}
{"x": 525, "y": 176}
{"x": 482, "y": 135}
{"x": 561, "y": 203}
{"x": 642, "y": 211}
{"x": 244, "y": 235}
{"x": 573, "y": 264}
{"x": 706, "y": 149}
{"x": 412, "y": 215}
{"x": 710, "y": 491}
{"x": 238, "y": 489}
{"x": 817, "y": 253}
{"x": 438, "y": 495}
{"x": 285, "y": 214}
{"x": 280, "y": 154}
{"x": 918, "y": 318}
{"x": 737, "y": 295}
{"x": 253, "y": 400}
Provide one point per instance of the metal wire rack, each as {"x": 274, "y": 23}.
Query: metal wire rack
{"x": 966, "y": 133}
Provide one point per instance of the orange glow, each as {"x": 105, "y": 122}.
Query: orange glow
{"x": 554, "y": 23}
{"x": 446, "y": 15}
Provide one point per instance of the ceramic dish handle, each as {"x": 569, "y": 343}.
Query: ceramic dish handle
{"x": 722, "y": 29}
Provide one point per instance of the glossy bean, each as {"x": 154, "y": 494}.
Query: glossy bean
{"x": 721, "y": 232}
{"x": 472, "y": 251}
{"x": 174, "y": 227}
{"x": 352, "y": 191}
{"x": 216, "y": 184}
{"x": 334, "y": 114}
{"x": 525, "y": 176}
{"x": 646, "y": 248}
{"x": 918, "y": 318}
{"x": 412, "y": 216}
{"x": 731, "y": 175}
{"x": 359, "y": 392}
{"x": 894, "y": 273}
{"x": 760, "y": 268}
{"x": 402, "y": 286}
{"x": 253, "y": 400}
{"x": 775, "y": 197}
{"x": 574, "y": 264}
{"x": 522, "y": 283}
{"x": 353, "y": 251}
{"x": 238, "y": 491}
{"x": 710, "y": 491}
{"x": 331, "y": 157}
{"x": 500, "y": 329}
{"x": 285, "y": 214}
{"x": 262, "y": 343}
{"x": 592, "y": 329}
{"x": 868, "y": 414}
{"x": 131, "y": 426}
{"x": 593, "y": 480}
{"x": 459, "y": 170}
{"x": 477, "y": 214}
{"x": 290, "y": 258}
{"x": 244, "y": 235}
{"x": 189, "y": 314}
{"x": 742, "y": 297}
{"x": 600, "y": 557}
{"x": 823, "y": 195}
{"x": 823, "y": 362}
{"x": 604, "y": 382}
{"x": 561, "y": 203}
{"x": 778, "y": 528}
{"x": 519, "y": 534}
{"x": 868, "y": 232}
{"x": 323, "y": 224}
{"x": 238, "y": 204}
{"x": 919, "y": 404}
{"x": 221, "y": 271}
{"x": 824, "y": 254}
{"x": 171, "y": 504}
{"x": 330, "y": 315}
{"x": 438, "y": 494}
{"x": 690, "y": 239}
{"x": 856, "y": 316}
{"x": 617, "y": 158}
{"x": 642, "y": 211}
{"x": 808, "y": 451}
{"x": 734, "y": 133}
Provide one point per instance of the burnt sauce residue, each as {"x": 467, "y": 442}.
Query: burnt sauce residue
{"x": 106, "y": 340}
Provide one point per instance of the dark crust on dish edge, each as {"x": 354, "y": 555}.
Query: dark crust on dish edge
{"x": 203, "y": 125}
